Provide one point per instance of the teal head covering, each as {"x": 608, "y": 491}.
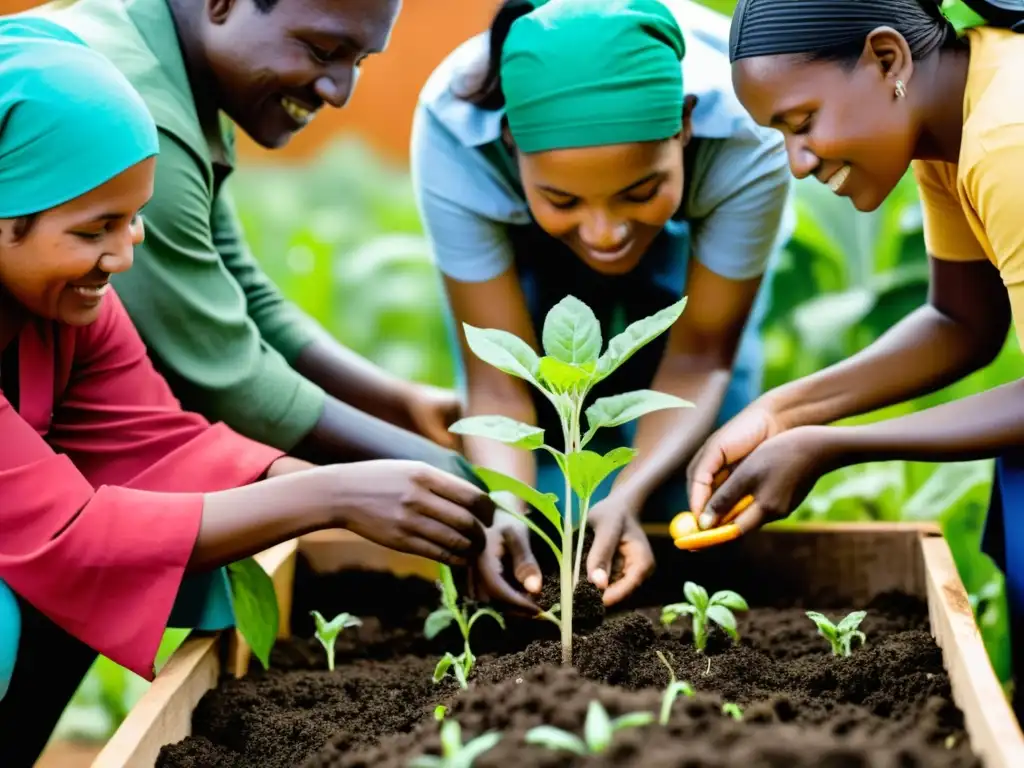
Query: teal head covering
{"x": 579, "y": 73}
{"x": 69, "y": 120}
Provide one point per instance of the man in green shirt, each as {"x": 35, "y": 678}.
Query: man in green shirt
{"x": 230, "y": 345}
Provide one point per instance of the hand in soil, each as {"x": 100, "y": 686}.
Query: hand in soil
{"x": 617, "y": 531}
{"x": 507, "y": 536}
{"x": 411, "y": 507}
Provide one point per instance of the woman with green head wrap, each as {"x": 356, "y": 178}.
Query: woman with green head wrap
{"x": 116, "y": 506}
{"x": 596, "y": 148}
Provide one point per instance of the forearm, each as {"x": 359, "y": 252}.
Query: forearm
{"x": 355, "y": 380}
{"x": 976, "y": 427}
{"x": 667, "y": 439}
{"x": 921, "y": 354}
{"x": 240, "y": 522}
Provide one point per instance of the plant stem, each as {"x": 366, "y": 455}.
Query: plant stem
{"x": 584, "y": 508}
{"x": 566, "y": 576}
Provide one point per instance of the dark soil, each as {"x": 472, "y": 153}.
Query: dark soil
{"x": 889, "y": 705}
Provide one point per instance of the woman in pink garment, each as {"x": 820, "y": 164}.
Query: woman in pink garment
{"x": 110, "y": 494}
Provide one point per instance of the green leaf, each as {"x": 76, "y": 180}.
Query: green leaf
{"x": 426, "y": 761}
{"x": 255, "y": 606}
{"x": 620, "y": 409}
{"x": 632, "y": 720}
{"x": 487, "y": 612}
{"x": 697, "y": 595}
{"x": 439, "y": 712}
{"x": 437, "y": 622}
{"x": 496, "y": 497}
{"x": 731, "y": 600}
{"x": 564, "y": 377}
{"x": 571, "y": 332}
{"x": 475, "y": 748}
{"x": 724, "y": 618}
{"x": 460, "y": 672}
{"x": 597, "y": 729}
{"x": 672, "y": 612}
{"x": 847, "y": 641}
{"x": 443, "y": 666}
{"x": 555, "y": 738}
{"x": 851, "y": 622}
{"x": 636, "y": 335}
{"x": 733, "y": 710}
{"x": 504, "y": 351}
{"x": 587, "y": 470}
{"x": 451, "y": 738}
{"x": 449, "y": 594}
{"x": 545, "y": 503}
{"x": 502, "y": 429}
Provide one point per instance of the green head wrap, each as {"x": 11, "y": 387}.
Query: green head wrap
{"x": 583, "y": 73}
{"x": 69, "y": 120}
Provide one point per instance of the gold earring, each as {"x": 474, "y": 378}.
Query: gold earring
{"x": 901, "y": 90}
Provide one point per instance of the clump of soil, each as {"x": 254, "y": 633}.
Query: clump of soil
{"x": 888, "y": 705}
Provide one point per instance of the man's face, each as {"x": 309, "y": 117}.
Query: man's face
{"x": 274, "y": 69}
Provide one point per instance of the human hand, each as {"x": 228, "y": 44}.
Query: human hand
{"x": 617, "y": 530}
{"x": 778, "y": 474}
{"x": 412, "y": 507}
{"x": 506, "y": 535}
{"x": 726, "y": 447}
{"x": 431, "y": 410}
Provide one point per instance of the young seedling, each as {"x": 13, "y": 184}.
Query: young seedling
{"x": 675, "y": 687}
{"x": 327, "y": 631}
{"x": 732, "y": 710}
{"x": 719, "y": 609}
{"x": 572, "y": 365}
{"x": 439, "y": 712}
{"x": 455, "y": 754}
{"x": 598, "y": 731}
{"x": 440, "y": 619}
{"x": 841, "y": 635}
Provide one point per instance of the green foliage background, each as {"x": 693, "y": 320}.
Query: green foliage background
{"x": 342, "y": 238}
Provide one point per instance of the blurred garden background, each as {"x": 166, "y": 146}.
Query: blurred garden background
{"x": 340, "y": 234}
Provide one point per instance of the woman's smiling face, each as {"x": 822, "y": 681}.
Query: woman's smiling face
{"x": 57, "y": 264}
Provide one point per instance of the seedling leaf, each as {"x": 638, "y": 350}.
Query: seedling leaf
{"x": 636, "y": 335}
{"x": 545, "y": 503}
{"x": 587, "y": 470}
{"x": 555, "y": 738}
{"x": 730, "y": 600}
{"x": 255, "y": 606}
{"x": 571, "y": 332}
{"x": 724, "y": 618}
{"x": 564, "y": 377}
{"x": 697, "y": 595}
{"x": 426, "y": 761}
{"x": 482, "y": 743}
{"x": 451, "y": 738}
{"x": 437, "y": 622}
{"x": 840, "y": 636}
{"x": 620, "y": 409}
{"x": 668, "y": 699}
{"x": 632, "y": 720}
{"x": 439, "y": 712}
{"x": 672, "y": 612}
{"x": 503, "y": 350}
{"x": 443, "y": 666}
{"x": 597, "y": 729}
{"x": 851, "y": 622}
{"x": 733, "y": 710}
{"x": 500, "y": 428}
{"x": 487, "y": 612}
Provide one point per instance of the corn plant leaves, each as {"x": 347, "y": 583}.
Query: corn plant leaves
{"x": 500, "y": 428}
{"x": 730, "y": 599}
{"x": 555, "y": 738}
{"x": 437, "y": 622}
{"x": 724, "y": 618}
{"x": 503, "y": 350}
{"x": 564, "y": 377}
{"x": 637, "y": 334}
{"x": 571, "y": 332}
{"x": 620, "y": 409}
{"x": 545, "y": 503}
{"x": 255, "y": 606}
{"x": 587, "y": 470}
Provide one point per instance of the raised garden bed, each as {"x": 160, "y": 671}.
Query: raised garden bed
{"x": 921, "y": 692}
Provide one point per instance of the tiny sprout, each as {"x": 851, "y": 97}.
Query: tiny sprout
{"x": 675, "y": 687}
{"x": 841, "y": 635}
{"x": 733, "y": 710}
{"x": 454, "y": 754}
{"x": 440, "y": 619}
{"x": 439, "y": 712}
{"x": 327, "y": 631}
{"x": 598, "y": 731}
{"x": 719, "y": 609}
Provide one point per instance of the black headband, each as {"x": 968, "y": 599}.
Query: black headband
{"x": 772, "y": 27}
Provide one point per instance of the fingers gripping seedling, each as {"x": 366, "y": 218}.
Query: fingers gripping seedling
{"x": 571, "y": 366}
{"x": 718, "y": 608}
{"x": 840, "y": 636}
{"x": 327, "y": 631}
{"x": 440, "y": 619}
{"x": 598, "y": 731}
{"x": 455, "y": 754}
{"x": 675, "y": 687}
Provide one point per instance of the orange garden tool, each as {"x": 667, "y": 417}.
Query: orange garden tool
{"x": 686, "y": 535}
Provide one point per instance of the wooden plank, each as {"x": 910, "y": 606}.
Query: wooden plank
{"x": 995, "y": 734}
{"x": 164, "y": 713}
{"x": 335, "y": 550}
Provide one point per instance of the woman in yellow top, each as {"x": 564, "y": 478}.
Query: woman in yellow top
{"x": 860, "y": 91}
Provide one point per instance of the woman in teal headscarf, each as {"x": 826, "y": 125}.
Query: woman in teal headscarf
{"x": 117, "y": 508}
{"x": 596, "y": 148}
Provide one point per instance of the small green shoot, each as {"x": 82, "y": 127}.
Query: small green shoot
{"x": 455, "y": 754}
{"x": 840, "y": 636}
{"x": 439, "y": 712}
{"x": 732, "y": 710}
{"x": 327, "y": 631}
{"x": 598, "y": 731}
{"x": 439, "y": 620}
{"x": 675, "y": 687}
{"x": 718, "y": 608}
